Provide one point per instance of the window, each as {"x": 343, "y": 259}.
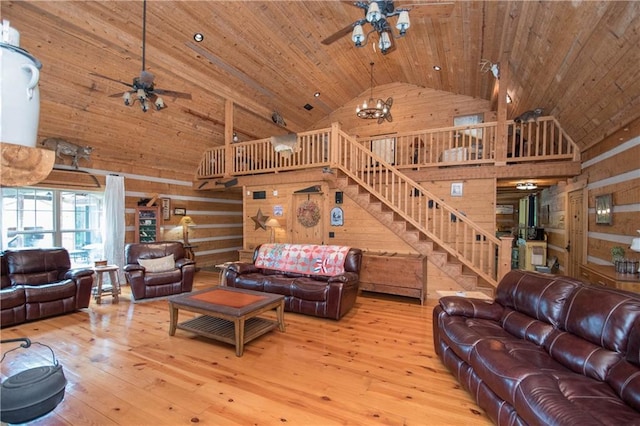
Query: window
{"x": 52, "y": 218}
{"x": 470, "y": 120}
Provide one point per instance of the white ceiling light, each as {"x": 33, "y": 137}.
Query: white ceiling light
{"x": 526, "y": 186}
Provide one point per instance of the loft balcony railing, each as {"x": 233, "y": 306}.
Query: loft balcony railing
{"x": 543, "y": 140}
{"x": 376, "y": 164}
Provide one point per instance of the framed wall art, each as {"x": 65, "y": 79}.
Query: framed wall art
{"x": 166, "y": 208}
{"x": 456, "y": 189}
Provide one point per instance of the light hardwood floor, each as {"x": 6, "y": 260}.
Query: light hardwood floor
{"x": 375, "y": 366}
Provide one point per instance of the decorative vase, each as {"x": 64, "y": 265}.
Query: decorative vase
{"x": 20, "y": 113}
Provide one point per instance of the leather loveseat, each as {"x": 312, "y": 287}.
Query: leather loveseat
{"x": 550, "y": 350}
{"x": 318, "y": 280}
{"x": 39, "y": 283}
{"x": 167, "y": 270}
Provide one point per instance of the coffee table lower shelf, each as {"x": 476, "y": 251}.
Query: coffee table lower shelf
{"x": 225, "y": 331}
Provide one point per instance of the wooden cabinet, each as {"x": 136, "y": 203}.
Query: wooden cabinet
{"x": 532, "y": 254}
{"x": 607, "y": 276}
{"x": 402, "y": 275}
{"x": 147, "y": 224}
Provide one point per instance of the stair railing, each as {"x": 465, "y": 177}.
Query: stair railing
{"x": 440, "y": 222}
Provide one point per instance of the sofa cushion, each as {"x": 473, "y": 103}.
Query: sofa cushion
{"x": 162, "y": 278}
{"x": 311, "y": 259}
{"x": 49, "y": 292}
{"x": 571, "y": 399}
{"x": 602, "y": 316}
{"x": 37, "y": 266}
{"x": 160, "y": 264}
{"x": 535, "y": 295}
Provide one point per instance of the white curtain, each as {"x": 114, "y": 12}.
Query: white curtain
{"x": 114, "y": 225}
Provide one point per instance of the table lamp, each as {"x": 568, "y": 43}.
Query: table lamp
{"x": 635, "y": 246}
{"x": 272, "y": 224}
{"x": 186, "y": 222}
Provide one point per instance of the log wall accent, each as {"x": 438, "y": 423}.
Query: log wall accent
{"x": 610, "y": 167}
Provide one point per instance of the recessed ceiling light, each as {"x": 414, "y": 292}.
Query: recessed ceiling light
{"x": 437, "y": 67}
{"x": 198, "y": 37}
{"x": 317, "y": 94}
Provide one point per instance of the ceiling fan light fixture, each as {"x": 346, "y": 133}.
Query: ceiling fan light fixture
{"x": 403, "y": 23}
{"x": 373, "y": 13}
{"x": 126, "y": 97}
{"x": 385, "y": 42}
{"x": 358, "y": 36}
{"x": 159, "y": 103}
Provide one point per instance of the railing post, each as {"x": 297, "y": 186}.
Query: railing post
{"x": 333, "y": 144}
{"x": 228, "y": 137}
{"x": 504, "y": 257}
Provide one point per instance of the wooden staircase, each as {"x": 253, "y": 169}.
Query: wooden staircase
{"x": 409, "y": 233}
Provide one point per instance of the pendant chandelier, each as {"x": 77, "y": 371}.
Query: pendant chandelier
{"x": 378, "y": 109}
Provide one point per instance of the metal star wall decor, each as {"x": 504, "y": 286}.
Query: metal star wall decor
{"x": 260, "y": 220}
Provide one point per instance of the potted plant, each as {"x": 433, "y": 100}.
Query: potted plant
{"x": 617, "y": 253}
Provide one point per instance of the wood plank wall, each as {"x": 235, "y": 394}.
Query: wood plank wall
{"x": 610, "y": 167}
{"x": 218, "y": 215}
{"x": 613, "y": 167}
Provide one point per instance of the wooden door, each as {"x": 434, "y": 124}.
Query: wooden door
{"x": 304, "y": 231}
{"x": 575, "y": 233}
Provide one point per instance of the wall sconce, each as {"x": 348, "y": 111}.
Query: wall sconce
{"x": 272, "y": 224}
{"x": 186, "y": 222}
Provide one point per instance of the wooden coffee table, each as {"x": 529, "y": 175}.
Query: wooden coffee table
{"x": 228, "y": 314}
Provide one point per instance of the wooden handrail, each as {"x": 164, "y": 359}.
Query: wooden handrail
{"x": 440, "y": 222}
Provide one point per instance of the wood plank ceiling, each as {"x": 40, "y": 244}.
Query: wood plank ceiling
{"x": 578, "y": 60}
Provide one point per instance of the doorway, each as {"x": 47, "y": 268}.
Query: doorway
{"x": 575, "y": 233}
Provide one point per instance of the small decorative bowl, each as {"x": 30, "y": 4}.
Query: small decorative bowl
{"x": 101, "y": 263}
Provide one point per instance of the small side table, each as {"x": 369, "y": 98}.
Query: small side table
{"x": 115, "y": 282}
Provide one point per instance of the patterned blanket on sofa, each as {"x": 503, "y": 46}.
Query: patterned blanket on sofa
{"x": 312, "y": 259}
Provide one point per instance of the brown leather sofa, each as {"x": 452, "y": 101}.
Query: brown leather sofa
{"x": 550, "y": 350}
{"x": 146, "y": 283}
{"x": 39, "y": 283}
{"x": 310, "y": 294}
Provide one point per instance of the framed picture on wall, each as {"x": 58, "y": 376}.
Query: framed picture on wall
{"x": 604, "y": 206}
{"x": 456, "y": 189}
{"x": 166, "y": 208}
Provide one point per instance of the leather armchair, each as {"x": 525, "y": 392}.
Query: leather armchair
{"x": 145, "y": 283}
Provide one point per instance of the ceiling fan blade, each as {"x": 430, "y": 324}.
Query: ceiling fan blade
{"x": 171, "y": 93}
{"x": 389, "y": 102}
{"x": 117, "y": 95}
{"x": 111, "y": 79}
{"x": 339, "y": 34}
{"x": 389, "y": 117}
{"x": 381, "y": 119}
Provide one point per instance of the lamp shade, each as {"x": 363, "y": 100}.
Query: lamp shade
{"x": 358, "y": 35}
{"x": 272, "y": 223}
{"x": 373, "y": 13}
{"x": 385, "y": 42}
{"x": 403, "y": 23}
{"x": 187, "y": 221}
{"x": 635, "y": 243}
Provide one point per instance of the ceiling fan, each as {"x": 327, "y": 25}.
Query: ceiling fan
{"x": 377, "y": 14}
{"x": 142, "y": 88}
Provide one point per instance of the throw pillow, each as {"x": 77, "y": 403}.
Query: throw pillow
{"x": 160, "y": 264}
